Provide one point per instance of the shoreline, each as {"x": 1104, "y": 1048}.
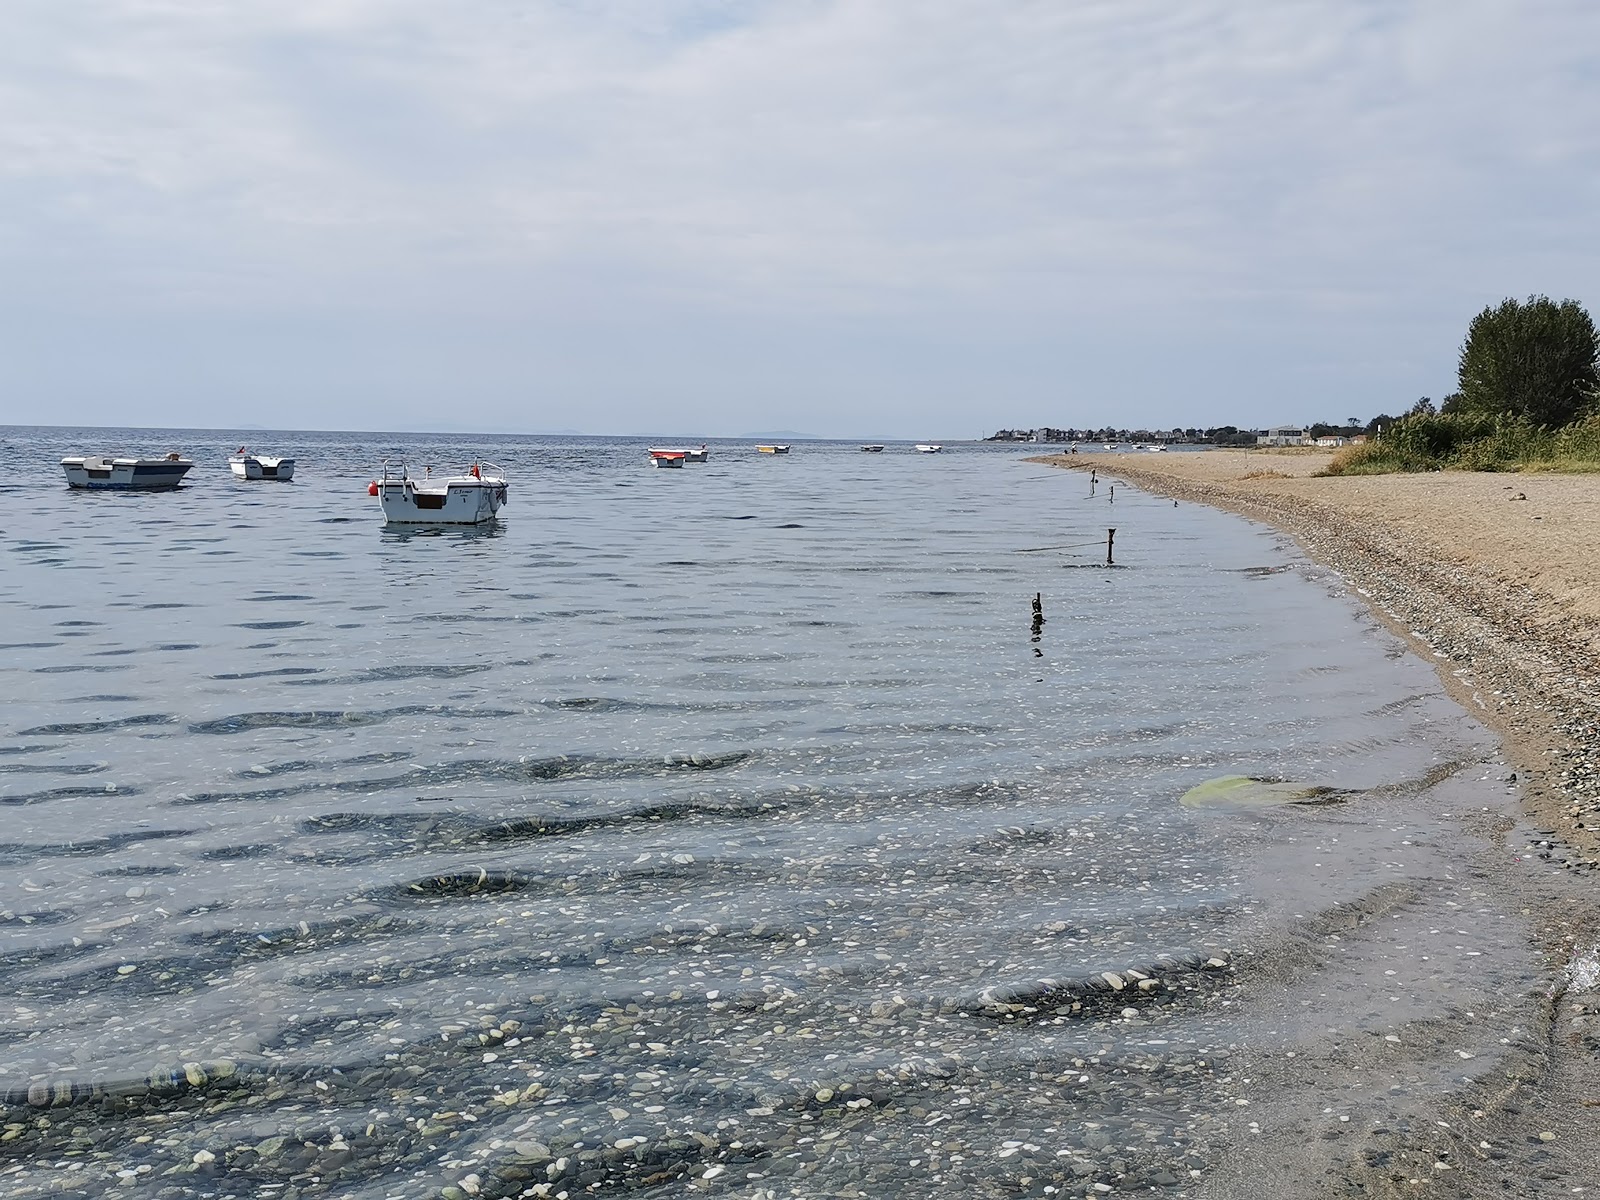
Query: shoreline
{"x": 1488, "y": 578}
{"x": 1510, "y": 618}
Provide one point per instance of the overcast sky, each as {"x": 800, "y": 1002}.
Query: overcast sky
{"x": 853, "y": 218}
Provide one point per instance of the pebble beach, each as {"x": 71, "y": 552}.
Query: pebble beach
{"x": 1491, "y": 578}
{"x": 931, "y": 856}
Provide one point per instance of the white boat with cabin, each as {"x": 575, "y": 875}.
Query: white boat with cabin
{"x": 470, "y": 498}
{"x": 98, "y": 472}
{"x": 929, "y": 447}
{"x": 260, "y": 466}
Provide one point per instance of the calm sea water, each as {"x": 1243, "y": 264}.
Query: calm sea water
{"x": 733, "y": 827}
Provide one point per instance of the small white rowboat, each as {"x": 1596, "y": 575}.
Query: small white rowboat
{"x": 97, "y": 472}
{"x": 470, "y": 498}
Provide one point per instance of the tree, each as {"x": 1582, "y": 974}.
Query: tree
{"x": 1536, "y": 360}
{"x": 1422, "y": 408}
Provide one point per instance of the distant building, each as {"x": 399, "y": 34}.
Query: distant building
{"x": 1333, "y": 440}
{"x": 1284, "y": 435}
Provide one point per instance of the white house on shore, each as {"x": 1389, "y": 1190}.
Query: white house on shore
{"x": 1284, "y": 435}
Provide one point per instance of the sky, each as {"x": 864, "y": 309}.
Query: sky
{"x": 863, "y": 218}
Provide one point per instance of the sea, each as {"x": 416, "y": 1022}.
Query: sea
{"x": 826, "y": 824}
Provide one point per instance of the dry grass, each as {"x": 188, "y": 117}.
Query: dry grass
{"x": 1266, "y": 475}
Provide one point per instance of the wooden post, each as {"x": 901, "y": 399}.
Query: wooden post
{"x": 1111, "y": 536}
{"x": 1112, "y": 496}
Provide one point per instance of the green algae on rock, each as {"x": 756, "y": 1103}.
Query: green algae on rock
{"x": 1245, "y": 791}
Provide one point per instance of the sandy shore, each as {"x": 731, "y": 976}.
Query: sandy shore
{"x": 1494, "y": 579}
{"x": 1498, "y": 574}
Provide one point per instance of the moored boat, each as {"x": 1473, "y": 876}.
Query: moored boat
{"x": 260, "y": 466}
{"x": 470, "y": 498}
{"x": 699, "y": 456}
{"x": 98, "y": 472}
{"x": 872, "y": 449}
{"x": 668, "y": 458}
{"x": 929, "y": 447}
{"x": 773, "y": 449}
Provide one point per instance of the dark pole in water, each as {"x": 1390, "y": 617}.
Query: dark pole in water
{"x": 1038, "y": 614}
{"x": 1112, "y": 495}
{"x": 1111, "y": 536}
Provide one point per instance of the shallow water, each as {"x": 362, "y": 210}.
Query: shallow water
{"x": 735, "y": 824}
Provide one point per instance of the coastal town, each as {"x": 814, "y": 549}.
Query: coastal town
{"x": 1319, "y": 434}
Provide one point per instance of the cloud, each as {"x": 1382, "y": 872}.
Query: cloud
{"x": 1201, "y": 175}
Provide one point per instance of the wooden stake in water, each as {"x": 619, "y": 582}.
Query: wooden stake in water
{"x": 1111, "y": 536}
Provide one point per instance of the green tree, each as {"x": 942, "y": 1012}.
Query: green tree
{"x": 1535, "y": 360}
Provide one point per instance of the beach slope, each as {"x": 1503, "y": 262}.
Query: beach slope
{"x": 1492, "y": 578}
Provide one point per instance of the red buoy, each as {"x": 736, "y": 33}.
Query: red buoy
{"x": 372, "y": 488}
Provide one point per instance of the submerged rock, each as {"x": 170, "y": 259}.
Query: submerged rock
{"x": 1245, "y": 791}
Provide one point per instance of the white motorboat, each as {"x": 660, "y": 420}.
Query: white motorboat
{"x": 668, "y": 458}
{"x": 98, "y": 472}
{"x": 929, "y": 447}
{"x": 701, "y": 455}
{"x": 773, "y": 449}
{"x": 470, "y": 498}
{"x": 872, "y": 449}
{"x": 1156, "y": 448}
{"x": 259, "y": 466}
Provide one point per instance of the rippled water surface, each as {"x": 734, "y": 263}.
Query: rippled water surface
{"x": 735, "y": 826}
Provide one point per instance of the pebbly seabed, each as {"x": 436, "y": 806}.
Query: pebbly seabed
{"x": 734, "y": 830}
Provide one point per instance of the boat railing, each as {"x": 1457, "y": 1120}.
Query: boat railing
{"x": 395, "y": 470}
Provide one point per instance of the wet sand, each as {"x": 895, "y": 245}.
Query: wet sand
{"x": 1494, "y": 579}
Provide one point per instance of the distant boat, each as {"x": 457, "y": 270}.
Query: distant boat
{"x": 667, "y": 458}
{"x": 929, "y": 447}
{"x": 258, "y": 466}
{"x": 99, "y": 473}
{"x": 773, "y": 449}
{"x": 872, "y": 449}
{"x": 470, "y": 498}
{"x": 1156, "y": 448}
{"x": 700, "y": 455}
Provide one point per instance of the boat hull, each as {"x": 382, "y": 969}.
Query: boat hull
{"x": 125, "y": 474}
{"x": 249, "y": 466}
{"x": 449, "y": 502}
